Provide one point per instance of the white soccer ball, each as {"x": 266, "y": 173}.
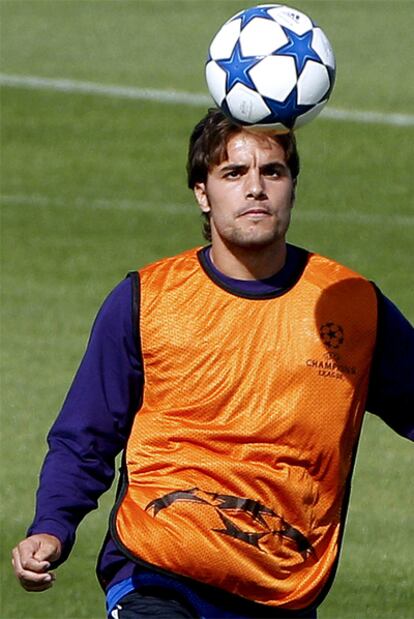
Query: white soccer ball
{"x": 270, "y": 67}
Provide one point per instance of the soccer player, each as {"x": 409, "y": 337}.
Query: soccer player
{"x": 235, "y": 379}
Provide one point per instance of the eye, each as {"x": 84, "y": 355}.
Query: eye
{"x": 232, "y": 173}
{"x": 272, "y": 171}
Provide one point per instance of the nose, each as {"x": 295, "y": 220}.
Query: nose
{"x": 255, "y": 187}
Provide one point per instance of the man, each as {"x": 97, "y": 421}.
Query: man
{"x": 237, "y": 387}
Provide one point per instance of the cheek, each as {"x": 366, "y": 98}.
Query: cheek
{"x": 283, "y": 199}
{"x": 219, "y": 216}
{"x": 221, "y": 203}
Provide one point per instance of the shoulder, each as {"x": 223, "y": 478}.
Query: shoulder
{"x": 390, "y": 314}
{"x": 118, "y": 300}
{"x": 183, "y": 263}
{"x": 325, "y": 268}
{"x": 394, "y": 330}
{"x": 188, "y": 255}
{"x": 337, "y": 281}
{"x": 114, "y": 315}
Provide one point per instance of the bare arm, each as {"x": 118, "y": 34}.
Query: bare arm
{"x": 31, "y": 561}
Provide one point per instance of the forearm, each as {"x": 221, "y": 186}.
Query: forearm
{"x": 71, "y": 482}
{"x": 93, "y": 425}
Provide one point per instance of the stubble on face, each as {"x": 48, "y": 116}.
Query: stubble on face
{"x": 252, "y": 234}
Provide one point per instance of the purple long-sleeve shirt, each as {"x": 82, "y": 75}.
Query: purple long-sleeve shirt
{"x": 95, "y": 420}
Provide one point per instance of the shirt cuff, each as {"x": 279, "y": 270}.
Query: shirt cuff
{"x": 64, "y": 535}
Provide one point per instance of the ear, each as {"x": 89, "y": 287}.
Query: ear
{"x": 201, "y": 197}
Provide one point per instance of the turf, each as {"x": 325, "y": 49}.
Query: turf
{"x": 94, "y": 186}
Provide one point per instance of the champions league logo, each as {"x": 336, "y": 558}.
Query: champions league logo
{"x": 330, "y": 364}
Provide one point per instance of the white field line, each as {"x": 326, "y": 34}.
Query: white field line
{"x": 92, "y": 88}
{"x": 160, "y": 209}
{"x": 97, "y": 203}
{"x": 182, "y": 98}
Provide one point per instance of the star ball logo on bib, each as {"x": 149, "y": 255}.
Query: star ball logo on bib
{"x": 332, "y": 335}
{"x": 330, "y": 364}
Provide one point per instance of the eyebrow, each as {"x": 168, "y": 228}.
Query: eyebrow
{"x": 277, "y": 164}
{"x": 232, "y": 166}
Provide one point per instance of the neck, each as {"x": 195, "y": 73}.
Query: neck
{"x": 249, "y": 263}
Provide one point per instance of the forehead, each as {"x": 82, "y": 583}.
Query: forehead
{"x": 248, "y": 145}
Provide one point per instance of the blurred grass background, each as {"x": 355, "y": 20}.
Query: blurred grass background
{"x": 94, "y": 186}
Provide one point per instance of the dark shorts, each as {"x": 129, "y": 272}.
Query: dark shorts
{"x": 147, "y": 603}
{"x": 160, "y": 603}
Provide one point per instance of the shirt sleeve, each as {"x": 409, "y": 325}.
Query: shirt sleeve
{"x": 94, "y": 422}
{"x": 391, "y": 390}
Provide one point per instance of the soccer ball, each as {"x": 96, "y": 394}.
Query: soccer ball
{"x": 270, "y": 67}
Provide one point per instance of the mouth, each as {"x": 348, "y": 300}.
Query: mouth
{"x": 255, "y": 212}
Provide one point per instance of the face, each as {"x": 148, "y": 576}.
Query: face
{"x": 248, "y": 196}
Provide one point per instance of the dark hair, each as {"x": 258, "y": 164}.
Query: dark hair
{"x": 208, "y": 147}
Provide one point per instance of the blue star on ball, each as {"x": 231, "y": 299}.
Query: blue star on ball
{"x": 300, "y": 48}
{"x": 250, "y": 14}
{"x": 285, "y": 112}
{"x": 237, "y": 68}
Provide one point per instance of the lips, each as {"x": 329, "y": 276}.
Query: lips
{"x": 254, "y": 211}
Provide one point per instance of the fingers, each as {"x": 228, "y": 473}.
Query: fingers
{"x": 30, "y": 560}
{"x": 32, "y": 574}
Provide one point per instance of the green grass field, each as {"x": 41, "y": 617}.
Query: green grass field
{"x": 93, "y": 186}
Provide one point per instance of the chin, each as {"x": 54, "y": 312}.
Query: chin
{"x": 254, "y": 241}
{"x": 256, "y": 238}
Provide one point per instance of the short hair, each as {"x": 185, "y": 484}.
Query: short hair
{"x": 208, "y": 147}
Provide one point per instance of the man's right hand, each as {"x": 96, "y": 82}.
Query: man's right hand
{"x": 31, "y": 561}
